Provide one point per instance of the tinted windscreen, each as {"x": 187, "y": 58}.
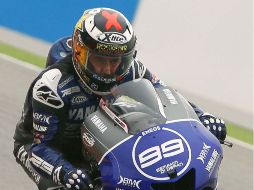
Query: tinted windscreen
{"x": 140, "y": 90}
{"x": 136, "y": 103}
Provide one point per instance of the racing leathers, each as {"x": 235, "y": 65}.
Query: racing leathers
{"x": 47, "y": 137}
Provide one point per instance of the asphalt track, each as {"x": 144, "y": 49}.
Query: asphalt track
{"x": 236, "y": 171}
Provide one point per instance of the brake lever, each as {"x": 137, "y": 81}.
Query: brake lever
{"x": 227, "y": 143}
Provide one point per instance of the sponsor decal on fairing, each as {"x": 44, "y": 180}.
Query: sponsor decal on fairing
{"x": 203, "y": 154}
{"x": 170, "y": 96}
{"x": 169, "y": 167}
{"x": 129, "y": 182}
{"x": 99, "y": 124}
{"x": 212, "y": 161}
{"x": 153, "y": 129}
{"x": 88, "y": 139}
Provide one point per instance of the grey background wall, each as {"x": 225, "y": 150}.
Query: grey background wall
{"x": 204, "y": 49}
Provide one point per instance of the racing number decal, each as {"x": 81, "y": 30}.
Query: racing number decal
{"x": 154, "y": 154}
{"x": 159, "y": 150}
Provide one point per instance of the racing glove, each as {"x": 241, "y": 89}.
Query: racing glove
{"x": 74, "y": 179}
{"x": 215, "y": 125}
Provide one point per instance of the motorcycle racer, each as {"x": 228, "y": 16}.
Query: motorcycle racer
{"x": 100, "y": 55}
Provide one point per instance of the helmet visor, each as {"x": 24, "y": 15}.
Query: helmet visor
{"x": 108, "y": 66}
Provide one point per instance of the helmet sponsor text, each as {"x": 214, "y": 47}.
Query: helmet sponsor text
{"x": 110, "y": 48}
{"x": 112, "y": 37}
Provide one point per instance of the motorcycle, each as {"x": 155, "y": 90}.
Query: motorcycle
{"x": 150, "y": 138}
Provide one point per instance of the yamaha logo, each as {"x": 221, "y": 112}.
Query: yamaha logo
{"x": 112, "y": 37}
{"x": 161, "y": 151}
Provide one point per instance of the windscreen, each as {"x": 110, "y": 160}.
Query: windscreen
{"x": 137, "y": 104}
{"x": 163, "y": 100}
{"x": 140, "y": 90}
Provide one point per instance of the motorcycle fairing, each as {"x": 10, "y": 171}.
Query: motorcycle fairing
{"x": 160, "y": 150}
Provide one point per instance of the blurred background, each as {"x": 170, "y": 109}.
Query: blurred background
{"x": 202, "y": 48}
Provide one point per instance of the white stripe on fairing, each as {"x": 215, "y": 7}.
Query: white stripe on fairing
{"x": 109, "y": 150}
{"x": 160, "y": 106}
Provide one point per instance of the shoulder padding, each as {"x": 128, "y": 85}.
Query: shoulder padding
{"x": 45, "y": 89}
{"x": 138, "y": 69}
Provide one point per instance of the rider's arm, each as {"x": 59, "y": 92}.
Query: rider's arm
{"x": 49, "y": 120}
{"x": 47, "y": 109}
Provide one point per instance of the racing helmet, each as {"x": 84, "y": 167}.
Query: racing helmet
{"x": 103, "y": 44}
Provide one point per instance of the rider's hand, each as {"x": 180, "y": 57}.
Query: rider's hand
{"x": 215, "y": 125}
{"x": 77, "y": 179}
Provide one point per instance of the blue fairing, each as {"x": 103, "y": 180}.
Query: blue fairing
{"x": 149, "y": 156}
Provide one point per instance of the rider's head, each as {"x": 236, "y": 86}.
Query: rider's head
{"x": 103, "y": 48}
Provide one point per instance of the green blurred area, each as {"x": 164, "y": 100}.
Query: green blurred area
{"x": 22, "y": 55}
{"x": 240, "y": 133}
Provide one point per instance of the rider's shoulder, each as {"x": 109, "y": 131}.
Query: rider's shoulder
{"x": 45, "y": 89}
{"x": 49, "y": 86}
{"x": 137, "y": 70}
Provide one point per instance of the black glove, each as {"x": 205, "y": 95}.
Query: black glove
{"x": 77, "y": 179}
{"x": 74, "y": 179}
{"x": 215, "y": 125}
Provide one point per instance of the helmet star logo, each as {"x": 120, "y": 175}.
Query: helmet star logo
{"x": 111, "y": 21}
